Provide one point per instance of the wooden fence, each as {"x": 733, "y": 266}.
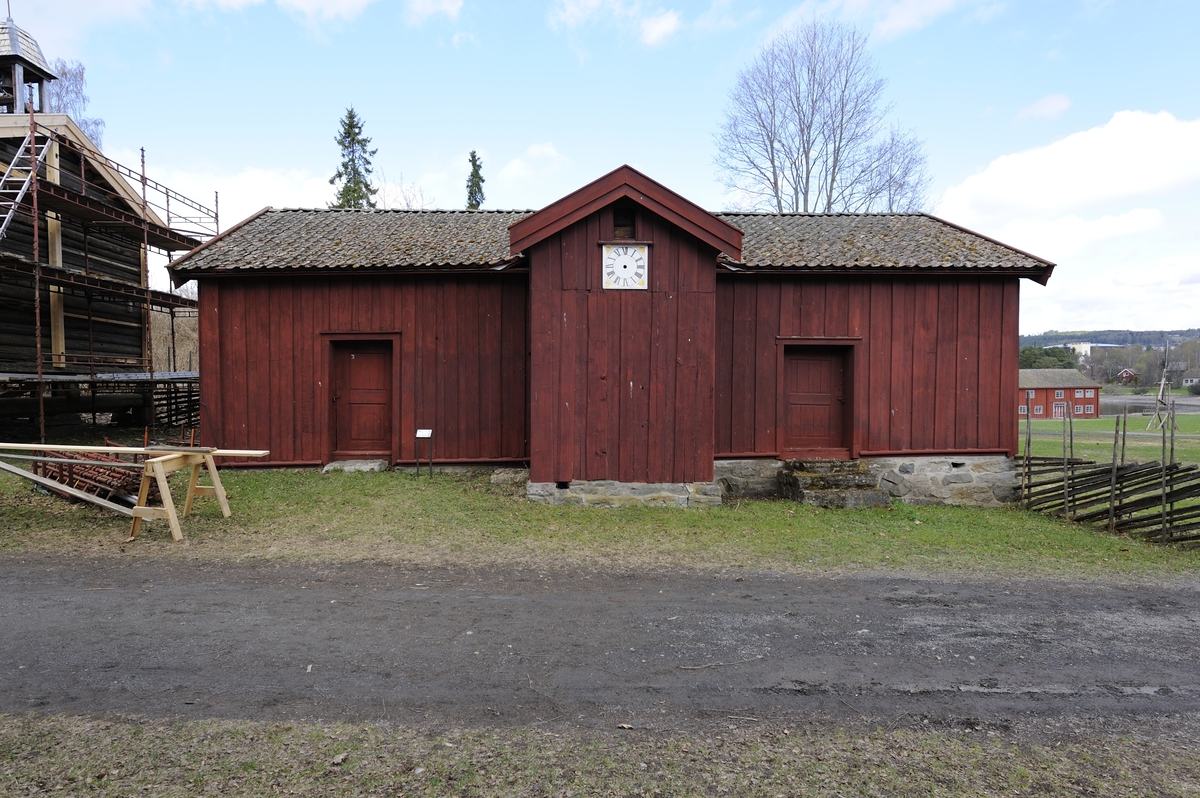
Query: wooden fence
{"x": 1159, "y": 501}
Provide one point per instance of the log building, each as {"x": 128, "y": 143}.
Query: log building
{"x": 76, "y": 232}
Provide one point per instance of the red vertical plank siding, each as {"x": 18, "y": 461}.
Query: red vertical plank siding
{"x": 967, "y": 419}
{"x": 766, "y": 363}
{"x": 901, "y": 382}
{"x": 879, "y": 353}
{"x": 1009, "y": 371}
{"x": 461, "y": 348}
{"x": 745, "y": 359}
{"x": 211, "y": 374}
{"x": 991, "y": 337}
{"x": 619, "y": 379}
{"x": 723, "y": 388}
{"x": 924, "y": 361}
{"x": 946, "y": 379}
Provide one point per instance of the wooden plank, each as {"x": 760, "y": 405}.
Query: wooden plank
{"x": 514, "y": 365}
{"x": 705, "y": 346}
{"x": 58, "y": 486}
{"x": 991, "y": 373}
{"x": 766, "y": 364}
{"x": 208, "y": 328}
{"x": 901, "y": 380}
{"x": 1009, "y": 368}
{"x": 281, "y": 363}
{"x": 489, "y": 362}
{"x": 450, "y": 399}
{"x": 966, "y": 429}
{"x": 879, "y": 351}
{"x": 945, "y": 388}
{"x": 812, "y": 308}
{"x": 744, "y": 343}
{"x": 234, "y": 385}
{"x": 596, "y": 439}
{"x": 669, "y": 357}
{"x": 467, "y": 364}
{"x": 723, "y": 367}
{"x": 924, "y": 363}
{"x": 837, "y": 308}
{"x": 158, "y": 450}
{"x": 305, "y": 378}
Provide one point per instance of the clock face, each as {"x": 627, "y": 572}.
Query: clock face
{"x": 624, "y": 266}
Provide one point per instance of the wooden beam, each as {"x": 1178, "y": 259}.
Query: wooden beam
{"x": 149, "y": 450}
{"x": 61, "y": 488}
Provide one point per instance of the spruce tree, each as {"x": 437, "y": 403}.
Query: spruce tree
{"x": 475, "y": 183}
{"x": 354, "y": 174}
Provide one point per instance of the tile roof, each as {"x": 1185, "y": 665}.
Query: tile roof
{"x": 346, "y": 239}
{"x": 14, "y": 41}
{"x": 1054, "y": 378}
{"x": 873, "y": 242}
{"x": 339, "y": 239}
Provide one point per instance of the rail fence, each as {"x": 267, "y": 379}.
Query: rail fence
{"x": 1158, "y": 501}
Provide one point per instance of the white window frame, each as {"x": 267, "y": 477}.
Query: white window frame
{"x": 1022, "y": 410}
{"x": 1090, "y": 393}
{"x": 1037, "y": 410}
{"x": 1079, "y": 410}
{"x": 1090, "y": 408}
{"x": 1058, "y": 394}
{"x": 1030, "y": 394}
{"x": 1078, "y": 393}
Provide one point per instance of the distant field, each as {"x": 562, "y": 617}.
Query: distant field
{"x": 1094, "y": 439}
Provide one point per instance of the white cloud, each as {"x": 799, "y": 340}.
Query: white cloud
{"x": 538, "y": 160}
{"x": 660, "y": 27}
{"x": 1133, "y": 154}
{"x": 59, "y": 27}
{"x": 1049, "y": 107}
{"x": 420, "y": 10}
{"x": 1059, "y": 237}
{"x": 1115, "y": 206}
{"x": 654, "y": 26}
{"x": 889, "y": 19}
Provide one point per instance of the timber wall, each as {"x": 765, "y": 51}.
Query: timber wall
{"x": 621, "y": 380}
{"x": 933, "y": 369}
{"x": 460, "y": 343}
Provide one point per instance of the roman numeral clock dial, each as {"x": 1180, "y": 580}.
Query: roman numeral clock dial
{"x": 624, "y": 266}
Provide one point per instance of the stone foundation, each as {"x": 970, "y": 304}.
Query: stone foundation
{"x": 977, "y": 480}
{"x": 609, "y": 493}
{"x": 748, "y": 479}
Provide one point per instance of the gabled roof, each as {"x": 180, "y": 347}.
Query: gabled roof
{"x": 1054, "y": 378}
{"x": 626, "y": 181}
{"x": 290, "y": 239}
{"x": 901, "y": 242}
{"x": 15, "y": 42}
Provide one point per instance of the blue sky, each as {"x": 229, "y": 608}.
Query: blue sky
{"x": 1070, "y": 128}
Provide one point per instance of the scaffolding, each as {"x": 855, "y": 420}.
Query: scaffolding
{"x": 122, "y": 206}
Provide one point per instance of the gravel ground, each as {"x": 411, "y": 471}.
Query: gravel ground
{"x": 651, "y": 650}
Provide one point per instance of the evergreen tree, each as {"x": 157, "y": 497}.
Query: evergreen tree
{"x": 475, "y": 183}
{"x": 354, "y": 174}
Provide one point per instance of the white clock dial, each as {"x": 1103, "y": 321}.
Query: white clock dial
{"x": 624, "y": 266}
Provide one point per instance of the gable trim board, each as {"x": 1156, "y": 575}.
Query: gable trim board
{"x": 537, "y": 362}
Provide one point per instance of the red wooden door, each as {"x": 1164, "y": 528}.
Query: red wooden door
{"x": 813, "y": 398}
{"x": 362, "y": 399}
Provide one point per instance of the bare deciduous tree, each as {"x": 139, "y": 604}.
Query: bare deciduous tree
{"x": 401, "y": 196}
{"x": 67, "y": 96}
{"x": 805, "y": 132}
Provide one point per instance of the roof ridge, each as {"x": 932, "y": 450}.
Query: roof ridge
{"x": 403, "y": 210}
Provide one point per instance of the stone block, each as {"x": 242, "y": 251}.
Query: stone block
{"x": 509, "y": 476}
{"x": 356, "y": 466}
{"x": 957, "y": 479}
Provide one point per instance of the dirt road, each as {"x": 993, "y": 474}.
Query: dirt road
{"x": 274, "y": 641}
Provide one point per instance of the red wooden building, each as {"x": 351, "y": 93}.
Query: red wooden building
{"x": 1056, "y": 393}
{"x": 621, "y": 333}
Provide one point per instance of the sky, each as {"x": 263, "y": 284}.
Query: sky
{"x": 1066, "y": 128}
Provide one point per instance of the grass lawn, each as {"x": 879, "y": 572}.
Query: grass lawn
{"x": 463, "y": 519}
{"x": 450, "y": 519}
{"x": 86, "y": 756}
{"x": 1094, "y": 439}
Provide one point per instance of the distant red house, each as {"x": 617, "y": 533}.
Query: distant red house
{"x": 1127, "y": 376}
{"x": 1055, "y": 393}
{"x": 621, "y": 333}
